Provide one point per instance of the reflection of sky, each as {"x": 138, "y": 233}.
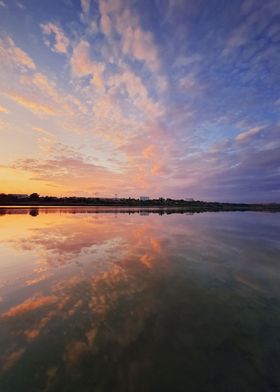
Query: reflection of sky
{"x": 172, "y": 98}
{"x": 36, "y": 247}
{"x": 88, "y": 282}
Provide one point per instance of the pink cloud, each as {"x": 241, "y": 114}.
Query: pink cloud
{"x": 61, "y": 41}
{"x": 82, "y": 65}
{"x": 137, "y": 92}
{"x": 244, "y": 136}
{"x": 106, "y": 7}
{"x": 136, "y": 42}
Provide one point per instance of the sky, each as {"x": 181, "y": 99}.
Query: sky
{"x": 161, "y": 98}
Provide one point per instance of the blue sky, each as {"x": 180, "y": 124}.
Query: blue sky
{"x": 172, "y": 98}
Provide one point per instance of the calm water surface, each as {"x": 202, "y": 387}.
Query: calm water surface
{"x": 115, "y": 301}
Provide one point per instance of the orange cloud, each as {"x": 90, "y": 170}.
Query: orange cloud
{"x": 11, "y": 359}
{"x": 33, "y": 332}
{"x": 48, "y": 89}
{"x": 31, "y": 282}
{"x": 38, "y": 129}
{"x": 11, "y": 54}
{"x": 3, "y": 110}
{"x": 29, "y": 305}
{"x": 30, "y": 104}
{"x": 159, "y": 168}
{"x": 149, "y": 151}
{"x": 64, "y": 168}
{"x": 156, "y": 245}
{"x": 147, "y": 260}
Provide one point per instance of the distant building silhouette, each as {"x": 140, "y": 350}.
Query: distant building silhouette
{"x": 144, "y": 198}
{"x": 19, "y": 195}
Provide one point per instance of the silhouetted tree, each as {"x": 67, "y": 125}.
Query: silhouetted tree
{"x": 3, "y": 197}
{"x": 34, "y": 196}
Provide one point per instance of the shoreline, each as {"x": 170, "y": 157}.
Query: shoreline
{"x": 191, "y": 208}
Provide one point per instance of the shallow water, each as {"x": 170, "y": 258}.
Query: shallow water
{"x": 98, "y": 300}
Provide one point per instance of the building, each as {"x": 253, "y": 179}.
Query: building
{"x": 19, "y": 195}
{"x": 189, "y": 199}
{"x": 144, "y": 198}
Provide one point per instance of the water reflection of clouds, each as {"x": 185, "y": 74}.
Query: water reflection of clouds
{"x": 58, "y": 240}
{"x": 86, "y": 300}
{"x": 111, "y": 304}
{"x": 93, "y": 295}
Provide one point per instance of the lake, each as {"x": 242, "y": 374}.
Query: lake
{"x": 100, "y": 299}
